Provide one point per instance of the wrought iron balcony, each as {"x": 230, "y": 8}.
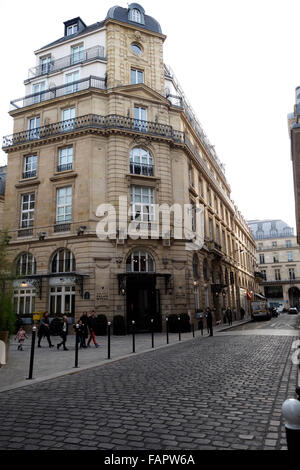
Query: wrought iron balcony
{"x": 29, "y": 174}
{"x": 62, "y": 227}
{"x": 141, "y": 169}
{"x": 25, "y": 232}
{"x": 65, "y": 167}
{"x": 56, "y": 92}
{"x": 96, "y": 52}
{"x": 94, "y": 121}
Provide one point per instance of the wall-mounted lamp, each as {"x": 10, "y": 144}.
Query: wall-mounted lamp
{"x": 81, "y": 230}
{"x": 42, "y": 235}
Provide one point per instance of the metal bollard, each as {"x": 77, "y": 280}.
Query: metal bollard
{"x": 32, "y": 353}
{"x": 133, "y": 336}
{"x": 76, "y": 345}
{"x": 108, "y": 339}
{"x": 291, "y": 413}
{"x": 179, "y": 329}
{"x": 167, "y": 329}
{"x": 193, "y": 330}
{"x": 152, "y": 332}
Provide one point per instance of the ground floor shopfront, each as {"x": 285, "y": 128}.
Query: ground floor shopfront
{"x": 139, "y": 281}
{"x": 285, "y": 294}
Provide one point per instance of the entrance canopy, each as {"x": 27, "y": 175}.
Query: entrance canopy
{"x": 123, "y": 277}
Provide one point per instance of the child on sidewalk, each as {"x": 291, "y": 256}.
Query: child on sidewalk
{"x": 21, "y": 335}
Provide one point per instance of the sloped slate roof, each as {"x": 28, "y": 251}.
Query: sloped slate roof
{"x": 121, "y": 14}
{"x": 116, "y": 13}
{"x": 86, "y": 30}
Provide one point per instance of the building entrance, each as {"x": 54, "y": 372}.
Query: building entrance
{"x": 143, "y": 303}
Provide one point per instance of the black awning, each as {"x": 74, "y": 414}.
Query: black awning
{"x": 122, "y": 278}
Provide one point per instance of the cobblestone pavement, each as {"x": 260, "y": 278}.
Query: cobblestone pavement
{"x": 224, "y": 392}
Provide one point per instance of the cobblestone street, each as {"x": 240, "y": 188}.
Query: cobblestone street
{"x": 223, "y": 392}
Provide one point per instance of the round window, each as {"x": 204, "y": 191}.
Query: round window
{"x": 136, "y": 49}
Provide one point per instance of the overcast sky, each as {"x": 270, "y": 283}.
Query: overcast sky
{"x": 236, "y": 60}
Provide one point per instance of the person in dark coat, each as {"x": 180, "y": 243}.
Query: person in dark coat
{"x": 84, "y": 319}
{"x": 64, "y": 333}
{"x": 200, "y": 323}
{"x": 81, "y": 334}
{"x": 229, "y": 316}
{"x": 242, "y": 313}
{"x": 44, "y": 330}
{"x": 92, "y": 327}
{"x": 209, "y": 321}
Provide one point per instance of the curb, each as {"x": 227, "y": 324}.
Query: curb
{"x": 104, "y": 362}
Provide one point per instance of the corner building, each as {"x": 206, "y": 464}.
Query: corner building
{"x": 104, "y": 117}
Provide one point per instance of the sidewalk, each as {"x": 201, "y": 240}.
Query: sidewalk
{"x": 53, "y": 363}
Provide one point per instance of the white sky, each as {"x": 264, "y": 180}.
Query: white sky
{"x": 236, "y": 61}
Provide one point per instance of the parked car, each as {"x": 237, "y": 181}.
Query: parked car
{"x": 293, "y": 310}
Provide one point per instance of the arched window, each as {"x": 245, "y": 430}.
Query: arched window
{"x": 140, "y": 262}
{"x": 141, "y": 162}
{"x": 63, "y": 261}
{"x": 136, "y": 15}
{"x": 25, "y": 264}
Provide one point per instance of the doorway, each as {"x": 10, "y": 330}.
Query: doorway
{"x": 143, "y": 303}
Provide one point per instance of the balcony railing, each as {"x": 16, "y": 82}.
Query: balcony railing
{"x": 97, "y": 52}
{"x": 25, "y": 232}
{"x": 96, "y": 122}
{"x": 62, "y": 227}
{"x": 29, "y": 174}
{"x": 194, "y": 150}
{"x": 141, "y": 169}
{"x": 65, "y": 167}
{"x": 56, "y": 92}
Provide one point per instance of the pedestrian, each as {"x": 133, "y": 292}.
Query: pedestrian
{"x": 229, "y": 316}
{"x": 44, "y": 330}
{"x": 21, "y": 335}
{"x": 209, "y": 321}
{"x": 81, "y": 334}
{"x": 92, "y": 324}
{"x": 242, "y": 313}
{"x": 200, "y": 323}
{"x": 64, "y": 333}
{"x": 224, "y": 315}
{"x": 84, "y": 319}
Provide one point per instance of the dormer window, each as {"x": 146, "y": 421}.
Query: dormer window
{"x": 72, "y": 29}
{"x": 136, "y": 13}
{"x": 136, "y": 16}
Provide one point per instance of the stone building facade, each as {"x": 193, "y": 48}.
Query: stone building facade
{"x": 278, "y": 259}
{"x": 104, "y": 117}
{"x": 2, "y": 193}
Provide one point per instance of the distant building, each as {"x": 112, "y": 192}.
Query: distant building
{"x": 278, "y": 259}
{"x": 2, "y": 192}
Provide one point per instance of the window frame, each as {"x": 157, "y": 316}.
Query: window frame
{"x": 134, "y": 76}
{"x": 29, "y": 211}
{"x": 146, "y": 212}
{"x": 67, "y": 216}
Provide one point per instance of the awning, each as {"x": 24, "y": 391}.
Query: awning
{"x": 260, "y": 296}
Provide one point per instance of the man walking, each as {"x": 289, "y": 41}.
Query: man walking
{"x": 229, "y": 316}
{"x": 209, "y": 321}
{"x": 44, "y": 330}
